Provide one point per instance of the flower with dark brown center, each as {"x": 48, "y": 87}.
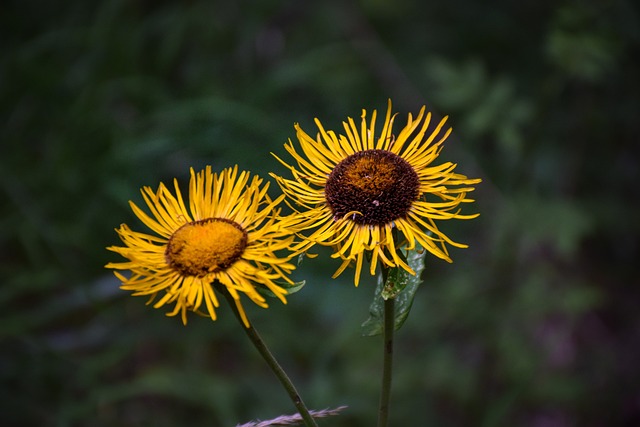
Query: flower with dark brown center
{"x": 352, "y": 190}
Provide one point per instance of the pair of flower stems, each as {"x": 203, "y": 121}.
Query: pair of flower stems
{"x": 307, "y": 416}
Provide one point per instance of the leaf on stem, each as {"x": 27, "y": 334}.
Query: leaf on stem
{"x": 401, "y": 286}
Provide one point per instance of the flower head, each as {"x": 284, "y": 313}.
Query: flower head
{"x": 355, "y": 191}
{"x": 229, "y": 235}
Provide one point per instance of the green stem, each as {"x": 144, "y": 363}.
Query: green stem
{"x": 262, "y": 348}
{"x": 387, "y": 366}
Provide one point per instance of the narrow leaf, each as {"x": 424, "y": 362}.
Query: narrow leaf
{"x": 401, "y": 286}
{"x": 373, "y": 325}
{"x": 291, "y": 288}
{"x": 397, "y": 280}
{"x": 404, "y": 300}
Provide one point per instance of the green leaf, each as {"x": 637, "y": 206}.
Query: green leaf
{"x": 291, "y": 288}
{"x": 401, "y": 286}
{"x": 373, "y": 325}
{"x": 397, "y": 280}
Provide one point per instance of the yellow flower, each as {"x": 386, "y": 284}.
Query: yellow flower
{"x": 229, "y": 234}
{"x": 355, "y": 191}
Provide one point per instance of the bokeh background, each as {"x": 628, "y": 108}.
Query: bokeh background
{"x": 537, "y": 324}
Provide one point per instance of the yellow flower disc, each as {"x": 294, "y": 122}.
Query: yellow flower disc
{"x": 207, "y": 246}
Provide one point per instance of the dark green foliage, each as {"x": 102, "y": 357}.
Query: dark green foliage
{"x": 537, "y": 323}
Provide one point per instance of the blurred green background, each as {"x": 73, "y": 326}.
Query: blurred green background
{"x": 536, "y": 324}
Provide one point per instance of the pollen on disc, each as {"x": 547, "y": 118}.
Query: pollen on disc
{"x": 372, "y": 187}
{"x": 206, "y": 246}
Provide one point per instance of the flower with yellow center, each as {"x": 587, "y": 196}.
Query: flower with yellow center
{"x": 231, "y": 235}
{"x": 355, "y": 191}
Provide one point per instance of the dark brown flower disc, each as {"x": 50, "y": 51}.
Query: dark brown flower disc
{"x": 372, "y": 187}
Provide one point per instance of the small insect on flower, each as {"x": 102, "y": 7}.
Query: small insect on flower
{"x": 231, "y": 235}
{"x": 356, "y": 190}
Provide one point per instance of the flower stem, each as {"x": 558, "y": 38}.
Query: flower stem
{"x": 385, "y": 393}
{"x": 266, "y": 354}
